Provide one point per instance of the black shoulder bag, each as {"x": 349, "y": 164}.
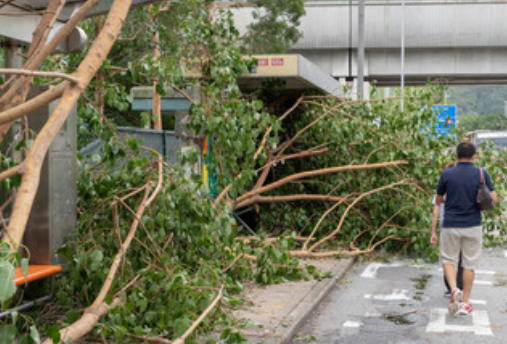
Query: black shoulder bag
{"x": 484, "y": 197}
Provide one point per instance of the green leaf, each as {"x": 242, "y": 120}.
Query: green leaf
{"x": 96, "y": 259}
{"x": 7, "y": 286}
{"x": 73, "y": 316}
{"x": 180, "y": 326}
{"x": 53, "y": 333}
{"x": 34, "y": 334}
{"x": 8, "y": 333}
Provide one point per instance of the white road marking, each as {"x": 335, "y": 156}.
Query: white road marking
{"x": 480, "y": 323}
{"x": 353, "y": 324}
{"x": 477, "y": 302}
{"x": 397, "y": 295}
{"x": 351, "y": 328}
{"x": 483, "y": 282}
{"x": 505, "y": 253}
{"x": 371, "y": 270}
{"x": 479, "y": 272}
{"x": 485, "y": 272}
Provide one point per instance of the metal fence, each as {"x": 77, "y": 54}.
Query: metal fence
{"x": 163, "y": 141}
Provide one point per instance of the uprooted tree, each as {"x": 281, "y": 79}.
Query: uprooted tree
{"x": 155, "y": 250}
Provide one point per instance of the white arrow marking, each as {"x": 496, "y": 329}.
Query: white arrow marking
{"x": 397, "y": 295}
{"x": 372, "y": 269}
{"x": 353, "y": 324}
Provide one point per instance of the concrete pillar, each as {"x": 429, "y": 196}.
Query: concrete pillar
{"x": 53, "y": 217}
{"x": 13, "y": 55}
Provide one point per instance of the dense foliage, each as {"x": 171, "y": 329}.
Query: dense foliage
{"x": 372, "y": 132}
{"x": 478, "y": 100}
{"x": 494, "y": 121}
{"x": 180, "y": 256}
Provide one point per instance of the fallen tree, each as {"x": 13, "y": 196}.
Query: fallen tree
{"x": 327, "y": 177}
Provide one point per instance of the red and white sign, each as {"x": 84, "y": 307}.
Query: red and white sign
{"x": 277, "y": 61}
{"x": 263, "y": 62}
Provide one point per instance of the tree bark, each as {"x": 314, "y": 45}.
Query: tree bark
{"x": 84, "y": 325}
{"x": 45, "y": 25}
{"x": 24, "y": 72}
{"x": 307, "y": 174}
{"x": 11, "y": 172}
{"x": 27, "y": 107}
{"x": 19, "y": 90}
{"x": 288, "y": 198}
{"x": 33, "y": 163}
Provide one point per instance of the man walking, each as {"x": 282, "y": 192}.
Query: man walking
{"x": 462, "y": 229}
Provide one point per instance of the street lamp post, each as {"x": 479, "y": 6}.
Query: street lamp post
{"x": 402, "y": 55}
{"x": 360, "y": 50}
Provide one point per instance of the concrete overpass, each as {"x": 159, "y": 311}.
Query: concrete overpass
{"x": 20, "y": 18}
{"x": 455, "y": 41}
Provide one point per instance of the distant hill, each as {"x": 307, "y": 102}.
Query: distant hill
{"x": 478, "y": 100}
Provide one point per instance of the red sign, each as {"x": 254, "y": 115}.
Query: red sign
{"x": 263, "y": 62}
{"x": 277, "y": 61}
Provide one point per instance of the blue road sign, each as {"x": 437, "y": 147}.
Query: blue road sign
{"x": 446, "y": 118}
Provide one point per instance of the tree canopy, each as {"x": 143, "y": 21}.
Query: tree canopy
{"x": 478, "y": 100}
{"x": 494, "y": 121}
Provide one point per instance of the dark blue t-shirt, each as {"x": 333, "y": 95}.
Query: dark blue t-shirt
{"x": 459, "y": 185}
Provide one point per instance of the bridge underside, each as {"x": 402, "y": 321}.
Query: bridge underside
{"x": 452, "y": 66}
{"x": 459, "y": 42}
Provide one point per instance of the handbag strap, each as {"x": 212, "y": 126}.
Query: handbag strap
{"x": 482, "y": 176}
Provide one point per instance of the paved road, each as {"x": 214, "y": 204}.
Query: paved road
{"x": 401, "y": 302}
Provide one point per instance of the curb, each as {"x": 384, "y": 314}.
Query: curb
{"x": 298, "y": 316}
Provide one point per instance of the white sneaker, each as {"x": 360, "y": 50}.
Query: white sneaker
{"x": 465, "y": 308}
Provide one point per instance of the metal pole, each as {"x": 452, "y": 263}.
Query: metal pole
{"x": 350, "y": 78}
{"x": 402, "y": 55}
{"x": 360, "y": 50}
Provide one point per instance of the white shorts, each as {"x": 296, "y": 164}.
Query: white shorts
{"x": 467, "y": 240}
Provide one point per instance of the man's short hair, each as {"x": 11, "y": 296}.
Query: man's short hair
{"x": 465, "y": 150}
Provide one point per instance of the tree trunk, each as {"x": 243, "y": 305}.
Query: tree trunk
{"x": 33, "y": 163}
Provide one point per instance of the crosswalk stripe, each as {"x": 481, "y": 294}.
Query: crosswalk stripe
{"x": 483, "y": 282}
{"x": 478, "y": 272}
{"x": 477, "y": 302}
{"x": 480, "y": 323}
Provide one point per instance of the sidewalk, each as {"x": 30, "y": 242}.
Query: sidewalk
{"x": 278, "y": 311}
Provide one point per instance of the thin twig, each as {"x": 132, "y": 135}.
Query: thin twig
{"x": 26, "y": 72}
{"x": 342, "y": 219}
{"x": 127, "y": 286}
{"x": 11, "y": 172}
{"x": 188, "y": 332}
{"x": 310, "y": 237}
